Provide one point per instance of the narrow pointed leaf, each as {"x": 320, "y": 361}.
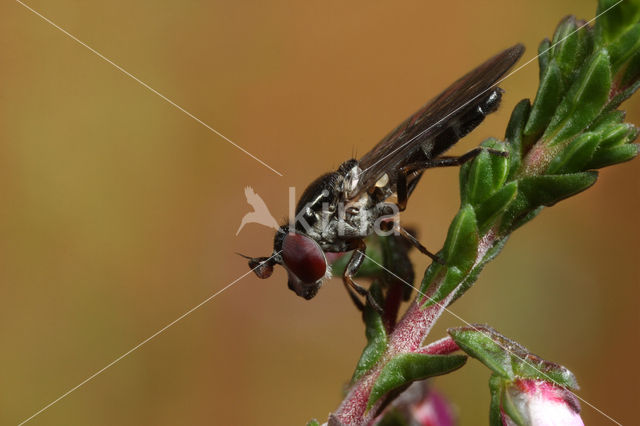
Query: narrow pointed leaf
{"x": 615, "y": 155}
{"x": 434, "y": 271}
{"x": 511, "y": 410}
{"x": 496, "y": 388}
{"x": 487, "y": 212}
{"x": 472, "y": 276}
{"x": 532, "y": 367}
{"x": 614, "y": 17}
{"x": 479, "y": 344}
{"x": 548, "y": 190}
{"x": 576, "y": 156}
{"x": 514, "y": 134}
{"x": 623, "y": 96}
{"x": 550, "y": 92}
{"x": 624, "y": 48}
{"x": 573, "y": 43}
{"x": 607, "y": 119}
{"x": 462, "y": 240}
{"x": 499, "y": 164}
{"x": 406, "y": 368}
{"x": 451, "y": 280}
{"x": 544, "y": 55}
{"x": 617, "y": 135}
{"x": 479, "y": 180}
{"x": 376, "y": 337}
{"x": 585, "y": 99}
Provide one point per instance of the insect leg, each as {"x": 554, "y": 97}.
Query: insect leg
{"x": 403, "y": 188}
{"x": 445, "y": 161}
{"x": 352, "y": 287}
{"x": 419, "y": 246}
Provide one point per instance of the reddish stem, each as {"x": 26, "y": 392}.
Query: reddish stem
{"x": 444, "y": 346}
{"x": 407, "y": 337}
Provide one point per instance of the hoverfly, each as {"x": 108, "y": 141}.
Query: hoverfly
{"x": 338, "y": 210}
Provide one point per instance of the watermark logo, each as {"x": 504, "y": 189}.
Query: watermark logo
{"x": 260, "y": 213}
{"x": 342, "y": 220}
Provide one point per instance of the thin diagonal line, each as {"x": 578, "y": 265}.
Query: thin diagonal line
{"x": 91, "y": 377}
{"x": 483, "y": 333}
{"x": 498, "y": 82}
{"x": 146, "y": 86}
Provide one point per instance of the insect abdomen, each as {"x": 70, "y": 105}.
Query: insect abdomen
{"x": 473, "y": 115}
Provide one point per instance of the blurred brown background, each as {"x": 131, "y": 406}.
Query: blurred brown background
{"x": 119, "y": 212}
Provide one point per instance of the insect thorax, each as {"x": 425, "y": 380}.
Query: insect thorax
{"x": 327, "y": 214}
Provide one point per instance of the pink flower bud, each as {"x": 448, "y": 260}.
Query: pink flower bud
{"x": 419, "y": 405}
{"x": 433, "y": 410}
{"x": 540, "y": 403}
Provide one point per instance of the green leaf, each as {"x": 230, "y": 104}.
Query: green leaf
{"x": 376, "y": 336}
{"x": 532, "y": 367}
{"x": 499, "y": 164}
{"x": 550, "y": 93}
{"x": 511, "y": 409}
{"x": 544, "y": 55}
{"x": 479, "y": 344}
{"x": 614, "y": 155}
{"x": 472, "y": 276}
{"x": 572, "y": 42}
{"x": 614, "y": 17}
{"x": 623, "y": 96}
{"x": 629, "y": 74}
{"x": 488, "y": 212}
{"x": 313, "y": 422}
{"x": 624, "y": 48}
{"x": 549, "y": 189}
{"x": 508, "y": 359}
{"x": 461, "y": 245}
{"x": 462, "y": 181}
{"x": 576, "y": 156}
{"x": 434, "y": 271}
{"x": 487, "y": 173}
{"x": 585, "y": 99}
{"x": 512, "y": 222}
{"x": 406, "y": 368}
{"x": 607, "y": 119}
{"x": 564, "y": 35}
{"x": 452, "y": 278}
{"x": 514, "y": 135}
{"x": 479, "y": 179}
{"x": 460, "y": 250}
{"x": 496, "y": 387}
{"x": 617, "y": 135}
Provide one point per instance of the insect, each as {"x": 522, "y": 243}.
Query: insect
{"x": 340, "y": 209}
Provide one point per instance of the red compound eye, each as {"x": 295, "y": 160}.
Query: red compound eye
{"x": 304, "y": 257}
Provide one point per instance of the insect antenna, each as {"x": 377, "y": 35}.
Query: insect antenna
{"x": 261, "y": 266}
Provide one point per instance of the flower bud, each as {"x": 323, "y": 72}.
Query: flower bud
{"x": 539, "y": 403}
{"x": 419, "y": 405}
